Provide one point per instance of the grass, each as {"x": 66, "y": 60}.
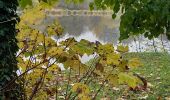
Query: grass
{"x": 156, "y": 69}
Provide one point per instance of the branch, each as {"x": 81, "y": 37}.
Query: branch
{"x": 15, "y": 18}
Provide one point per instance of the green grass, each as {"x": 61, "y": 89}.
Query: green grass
{"x": 156, "y": 69}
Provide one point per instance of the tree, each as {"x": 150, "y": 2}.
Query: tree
{"x": 10, "y": 87}
{"x": 44, "y": 54}
{"x": 148, "y": 17}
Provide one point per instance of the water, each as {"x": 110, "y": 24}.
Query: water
{"x": 106, "y": 30}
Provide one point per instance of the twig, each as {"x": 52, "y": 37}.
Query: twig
{"x": 86, "y": 75}
{"x": 37, "y": 85}
{"x": 11, "y": 82}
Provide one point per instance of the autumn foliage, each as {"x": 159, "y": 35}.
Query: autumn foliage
{"x": 50, "y": 68}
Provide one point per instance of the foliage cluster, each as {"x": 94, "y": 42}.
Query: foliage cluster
{"x": 41, "y": 55}
{"x": 148, "y": 17}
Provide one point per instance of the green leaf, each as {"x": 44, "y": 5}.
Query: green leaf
{"x": 91, "y": 5}
{"x": 51, "y": 2}
{"x": 27, "y": 54}
{"x": 83, "y": 47}
{"x": 128, "y": 78}
{"x": 114, "y": 16}
{"x": 25, "y": 3}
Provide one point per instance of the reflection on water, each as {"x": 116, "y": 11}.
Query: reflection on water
{"x": 105, "y": 30}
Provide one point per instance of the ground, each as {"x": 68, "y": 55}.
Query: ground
{"x": 156, "y": 69}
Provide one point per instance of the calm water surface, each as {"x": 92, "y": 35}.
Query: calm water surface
{"x": 106, "y": 30}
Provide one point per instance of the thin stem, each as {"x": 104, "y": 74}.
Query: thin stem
{"x": 56, "y": 92}
{"x": 68, "y": 84}
{"x": 99, "y": 90}
{"x": 12, "y": 81}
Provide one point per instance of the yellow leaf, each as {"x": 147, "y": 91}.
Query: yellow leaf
{"x": 105, "y": 49}
{"x": 40, "y": 38}
{"x": 81, "y": 88}
{"x": 55, "y": 51}
{"x": 122, "y": 48}
{"x": 49, "y": 41}
{"x": 76, "y": 65}
{"x": 128, "y": 78}
{"x": 54, "y": 68}
{"x": 113, "y": 58}
{"x": 20, "y": 60}
{"x": 34, "y": 15}
{"x": 55, "y": 29}
{"x": 123, "y": 65}
{"x": 134, "y": 62}
{"x": 113, "y": 79}
{"x": 68, "y": 42}
{"x": 84, "y": 97}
